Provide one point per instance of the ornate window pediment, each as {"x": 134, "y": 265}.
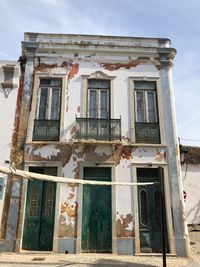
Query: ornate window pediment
{"x": 98, "y": 75}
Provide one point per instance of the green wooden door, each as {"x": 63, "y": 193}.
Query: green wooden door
{"x": 149, "y": 198}
{"x": 39, "y": 215}
{"x": 96, "y": 222}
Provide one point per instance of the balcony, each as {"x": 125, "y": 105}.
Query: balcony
{"x": 46, "y": 130}
{"x": 147, "y": 133}
{"x": 98, "y": 129}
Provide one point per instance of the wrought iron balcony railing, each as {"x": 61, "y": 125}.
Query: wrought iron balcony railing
{"x": 46, "y": 130}
{"x": 147, "y": 133}
{"x": 99, "y": 129}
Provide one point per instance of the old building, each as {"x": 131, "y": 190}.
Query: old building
{"x": 98, "y": 108}
{"x": 9, "y": 83}
{"x": 191, "y": 174}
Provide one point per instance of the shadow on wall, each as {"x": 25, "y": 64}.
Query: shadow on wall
{"x": 110, "y": 263}
{"x": 71, "y": 128}
{"x": 195, "y": 214}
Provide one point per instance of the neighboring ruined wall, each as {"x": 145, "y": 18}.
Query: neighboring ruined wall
{"x": 191, "y": 185}
{"x": 9, "y": 82}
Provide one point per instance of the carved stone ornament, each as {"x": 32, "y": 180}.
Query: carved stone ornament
{"x": 6, "y": 92}
{"x": 7, "y": 88}
{"x": 98, "y": 75}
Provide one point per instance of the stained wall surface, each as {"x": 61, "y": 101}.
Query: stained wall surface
{"x": 75, "y": 60}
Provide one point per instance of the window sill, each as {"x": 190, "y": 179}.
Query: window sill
{"x": 94, "y": 141}
{"x": 145, "y": 145}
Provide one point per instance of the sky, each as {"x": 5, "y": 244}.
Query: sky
{"x": 177, "y": 20}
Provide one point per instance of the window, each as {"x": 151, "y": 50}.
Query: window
{"x": 98, "y": 108}
{"x": 47, "y": 122}
{"x": 98, "y": 99}
{"x": 146, "y": 115}
{"x": 97, "y": 123}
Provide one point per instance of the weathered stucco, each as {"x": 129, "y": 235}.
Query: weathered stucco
{"x": 68, "y": 211}
{"x": 44, "y": 152}
{"x": 125, "y": 225}
{"x": 74, "y": 59}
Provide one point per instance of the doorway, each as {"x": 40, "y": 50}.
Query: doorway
{"x": 149, "y": 202}
{"x": 96, "y": 213}
{"x": 39, "y": 213}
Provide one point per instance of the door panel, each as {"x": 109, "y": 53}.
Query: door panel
{"x": 47, "y": 215}
{"x": 149, "y": 198}
{"x": 39, "y": 214}
{"x": 32, "y": 217}
{"x": 96, "y": 222}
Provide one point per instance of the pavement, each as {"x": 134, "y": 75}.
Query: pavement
{"x": 90, "y": 260}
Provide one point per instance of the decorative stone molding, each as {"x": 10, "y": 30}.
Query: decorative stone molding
{"x": 7, "y": 88}
{"x": 166, "y": 60}
{"x": 98, "y": 75}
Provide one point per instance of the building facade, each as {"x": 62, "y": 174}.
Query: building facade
{"x": 98, "y": 108}
{"x": 9, "y": 83}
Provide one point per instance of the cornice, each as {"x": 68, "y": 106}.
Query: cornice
{"x": 90, "y": 48}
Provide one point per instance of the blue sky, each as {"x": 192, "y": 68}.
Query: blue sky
{"x": 178, "y": 20}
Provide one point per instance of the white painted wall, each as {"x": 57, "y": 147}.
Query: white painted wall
{"x": 121, "y": 92}
{"x": 191, "y": 184}
{"x": 7, "y": 114}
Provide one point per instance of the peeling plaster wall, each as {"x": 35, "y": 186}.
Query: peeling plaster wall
{"x": 74, "y": 88}
{"x": 150, "y": 155}
{"x": 71, "y": 155}
{"x": 68, "y": 212}
{"x": 121, "y": 93}
{"x": 44, "y": 152}
{"x": 124, "y": 201}
{"x": 74, "y": 58}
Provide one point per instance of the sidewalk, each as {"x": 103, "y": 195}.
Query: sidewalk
{"x": 90, "y": 260}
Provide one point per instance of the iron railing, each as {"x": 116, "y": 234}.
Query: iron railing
{"x": 147, "y": 133}
{"x": 46, "y": 130}
{"x": 99, "y": 129}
